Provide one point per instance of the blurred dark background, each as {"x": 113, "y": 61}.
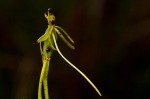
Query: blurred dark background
{"x": 112, "y": 40}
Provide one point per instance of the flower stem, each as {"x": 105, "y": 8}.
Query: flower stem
{"x": 45, "y": 80}
{"x": 41, "y": 79}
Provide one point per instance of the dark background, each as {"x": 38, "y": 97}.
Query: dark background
{"x": 112, "y": 40}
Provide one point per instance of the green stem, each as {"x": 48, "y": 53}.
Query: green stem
{"x": 41, "y": 79}
{"x": 45, "y": 80}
